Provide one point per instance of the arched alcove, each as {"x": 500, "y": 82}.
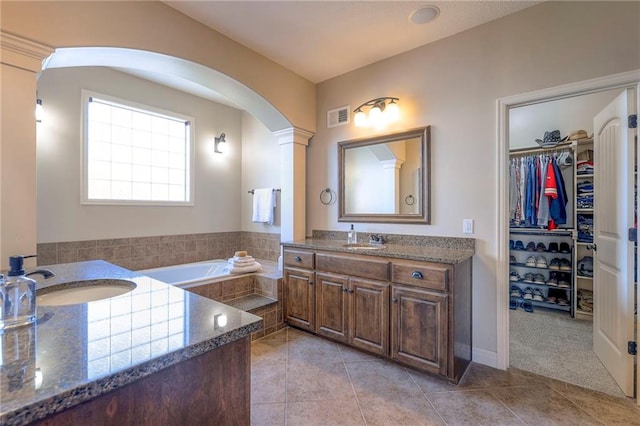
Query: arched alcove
{"x": 176, "y": 70}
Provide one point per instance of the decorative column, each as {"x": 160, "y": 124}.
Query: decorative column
{"x": 391, "y": 173}
{"x": 20, "y": 61}
{"x": 293, "y": 152}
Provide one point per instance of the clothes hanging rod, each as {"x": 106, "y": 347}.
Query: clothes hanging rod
{"x": 560, "y": 147}
{"x": 253, "y": 190}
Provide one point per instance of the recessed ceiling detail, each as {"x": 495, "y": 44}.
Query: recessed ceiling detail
{"x": 424, "y": 15}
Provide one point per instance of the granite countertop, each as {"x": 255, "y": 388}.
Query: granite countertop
{"x": 78, "y": 352}
{"x": 452, "y": 254}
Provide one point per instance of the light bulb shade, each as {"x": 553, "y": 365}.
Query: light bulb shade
{"x": 39, "y": 111}
{"x": 375, "y": 115}
{"x": 392, "y": 112}
{"x": 360, "y": 119}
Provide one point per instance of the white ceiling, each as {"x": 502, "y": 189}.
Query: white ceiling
{"x": 323, "y": 39}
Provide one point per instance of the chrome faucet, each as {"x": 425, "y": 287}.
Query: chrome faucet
{"x": 376, "y": 239}
{"x": 44, "y": 272}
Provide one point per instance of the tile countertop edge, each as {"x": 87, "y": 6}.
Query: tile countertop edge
{"x": 72, "y": 397}
{"x": 454, "y": 256}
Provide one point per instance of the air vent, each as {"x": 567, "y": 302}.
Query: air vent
{"x": 338, "y": 116}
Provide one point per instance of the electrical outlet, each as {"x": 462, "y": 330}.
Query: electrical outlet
{"x": 467, "y": 226}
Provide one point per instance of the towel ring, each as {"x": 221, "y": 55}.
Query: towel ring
{"x": 324, "y": 199}
{"x": 409, "y": 200}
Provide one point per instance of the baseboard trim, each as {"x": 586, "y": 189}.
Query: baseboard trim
{"x": 483, "y": 356}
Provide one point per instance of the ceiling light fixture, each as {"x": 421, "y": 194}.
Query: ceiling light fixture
{"x": 424, "y": 15}
{"x": 217, "y": 148}
{"x": 380, "y": 113}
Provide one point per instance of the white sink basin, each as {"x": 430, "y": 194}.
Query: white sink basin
{"x": 364, "y": 246}
{"x": 76, "y": 292}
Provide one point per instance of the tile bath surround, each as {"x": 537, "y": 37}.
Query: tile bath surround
{"x": 153, "y": 252}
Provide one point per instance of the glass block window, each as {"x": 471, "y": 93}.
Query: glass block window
{"x": 135, "y": 154}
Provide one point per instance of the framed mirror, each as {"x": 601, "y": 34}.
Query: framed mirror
{"x": 385, "y": 178}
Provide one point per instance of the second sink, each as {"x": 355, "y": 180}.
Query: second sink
{"x": 76, "y": 292}
{"x": 364, "y": 246}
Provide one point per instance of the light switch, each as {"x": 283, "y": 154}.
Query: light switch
{"x": 467, "y": 226}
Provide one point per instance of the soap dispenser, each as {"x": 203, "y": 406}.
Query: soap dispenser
{"x": 17, "y": 296}
{"x": 352, "y": 236}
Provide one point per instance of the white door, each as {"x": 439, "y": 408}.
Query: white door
{"x": 613, "y": 321}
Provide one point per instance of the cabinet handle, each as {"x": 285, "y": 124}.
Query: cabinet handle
{"x": 297, "y": 259}
{"x": 394, "y": 299}
{"x": 345, "y": 289}
{"x": 310, "y": 282}
{"x": 417, "y": 274}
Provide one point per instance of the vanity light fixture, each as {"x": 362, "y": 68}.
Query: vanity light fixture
{"x": 381, "y": 111}
{"x": 39, "y": 111}
{"x": 216, "y": 144}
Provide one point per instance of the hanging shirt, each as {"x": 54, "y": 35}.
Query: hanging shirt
{"x": 543, "y": 201}
{"x": 558, "y": 198}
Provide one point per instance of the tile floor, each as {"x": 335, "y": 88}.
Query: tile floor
{"x": 301, "y": 379}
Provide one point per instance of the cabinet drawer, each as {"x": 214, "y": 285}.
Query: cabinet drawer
{"x": 420, "y": 275}
{"x": 358, "y": 267}
{"x": 299, "y": 258}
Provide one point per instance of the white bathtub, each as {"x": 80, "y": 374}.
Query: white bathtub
{"x": 190, "y": 274}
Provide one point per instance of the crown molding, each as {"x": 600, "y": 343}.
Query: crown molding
{"x": 23, "y": 53}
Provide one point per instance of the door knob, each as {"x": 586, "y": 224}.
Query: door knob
{"x": 297, "y": 259}
{"x": 593, "y": 247}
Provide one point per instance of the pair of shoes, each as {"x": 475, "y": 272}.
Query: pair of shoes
{"x": 564, "y": 279}
{"x": 531, "y": 261}
{"x": 539, "y": 279}
{"x": 515, "y": 292}
{"x": 565, "y": 265}
{"x": 514, "y": 276}
{"x": 541, "y": 262}
{"x": 538, "y": 296}
{"x": 528, "y": 294}
{"x": 529, "y": 277}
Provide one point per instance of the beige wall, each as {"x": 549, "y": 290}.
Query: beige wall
{"x": 453, "y": 85}
{"x": 60, "y": 215}
{"x": 156, "y": 27}
{"x": 260, "y": 169}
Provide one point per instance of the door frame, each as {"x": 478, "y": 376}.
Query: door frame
{"x": 503, "y": 105}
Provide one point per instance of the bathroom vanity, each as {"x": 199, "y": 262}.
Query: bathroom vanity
{"x": 410, "y": 303}
{"x": 154, "y": 355}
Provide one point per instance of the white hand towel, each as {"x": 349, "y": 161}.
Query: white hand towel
{"x": 264, "y": 204}
{"x": 245, "y": 269}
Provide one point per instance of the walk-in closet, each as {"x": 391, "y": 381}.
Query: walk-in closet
{"x": 552, "y": 217}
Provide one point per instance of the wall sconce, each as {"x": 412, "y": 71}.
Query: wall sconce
{"x": 39, "y": 111}
{"x": 382, "y": 111}
{"x": 217, "y": 142}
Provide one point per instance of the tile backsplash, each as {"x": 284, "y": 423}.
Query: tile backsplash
{"x": 152, "y": 252}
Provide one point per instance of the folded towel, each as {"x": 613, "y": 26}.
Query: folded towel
{"x": 264, "y": 204}
{"x": 244, "y": 269}
{"x": 241, "y": 261}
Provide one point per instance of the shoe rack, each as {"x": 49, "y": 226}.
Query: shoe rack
{"x": 541, "y": 265}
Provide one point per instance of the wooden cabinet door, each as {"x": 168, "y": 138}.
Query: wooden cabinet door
{"x": 369, "y": 322}
{"x": 299, "y": 298}
{"x": 332, "y": 308}
{"x": 419, "y": 329}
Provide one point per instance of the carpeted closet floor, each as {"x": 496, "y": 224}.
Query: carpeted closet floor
{"x": 553, "y": 344}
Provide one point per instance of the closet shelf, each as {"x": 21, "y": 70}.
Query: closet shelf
{"x": 584, "y": 210}
{"x": 539, "y": 285}
{"x": 585, "y": 176}
{"x": 558, "y": 232}
{"x": 584, "y": 277}
{"x": 541, "y": 252}
{"x": 524, "y": 265}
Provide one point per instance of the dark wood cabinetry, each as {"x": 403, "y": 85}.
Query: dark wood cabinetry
{"x": 299, "y": 296}
{"x": 419, "y": 328}
{"x": 416, "y": 313}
